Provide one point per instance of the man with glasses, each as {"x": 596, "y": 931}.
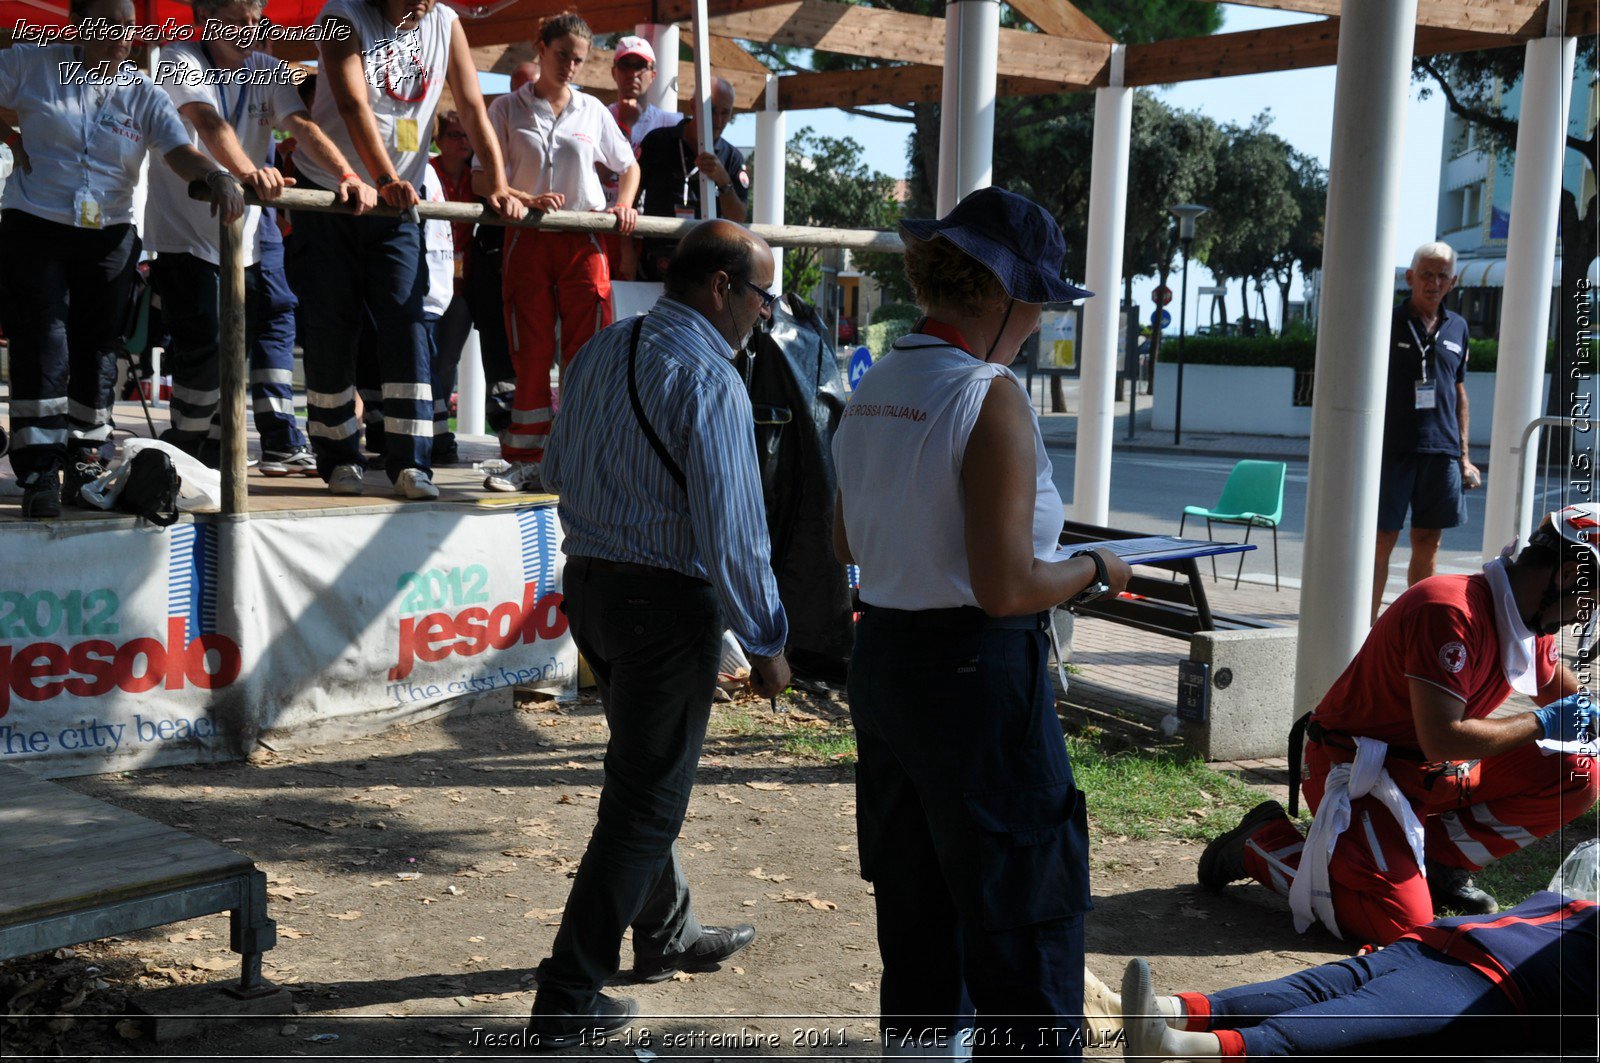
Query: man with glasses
{"x": 666, "y": 541}
{"x": 633, "y": 68}
{"x": 670, "y": 165}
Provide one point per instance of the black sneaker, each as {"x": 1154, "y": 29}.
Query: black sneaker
{"x": 1222, "y": 861}
{"x": 548, "y": 1032}
{"x": 1452, "y": 888}
{"x": 82, "y": 468}
{"x": 716, "y": 943}
{"x": 41, "y": 495}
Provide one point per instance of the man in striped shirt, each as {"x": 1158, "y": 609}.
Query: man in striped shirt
{"x": 653, "y": 455}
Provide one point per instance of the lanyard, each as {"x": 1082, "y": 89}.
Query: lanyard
{"x": 929, "y": 327}
{"x": 683, "y": 159}
{"x": 1423, "y": 349}
{"x": 237, "y": 111}
{"x": 90, "y": 124}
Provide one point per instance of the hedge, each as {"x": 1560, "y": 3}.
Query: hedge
{"x": 882, "y": 334}
{"x": 1300, "y": 352}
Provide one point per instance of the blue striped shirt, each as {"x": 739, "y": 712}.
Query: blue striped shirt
{"x": 619, "y": 503}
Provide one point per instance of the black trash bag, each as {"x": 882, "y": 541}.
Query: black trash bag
{"x": 798, "y": 395}
{"x": 151, "y": 490}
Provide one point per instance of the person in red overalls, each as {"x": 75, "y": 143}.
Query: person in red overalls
{"x": 1414, "y": 786}
{"x": 554, "y": 134}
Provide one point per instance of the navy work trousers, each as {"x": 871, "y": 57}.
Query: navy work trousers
{"x": 971, "y": 830}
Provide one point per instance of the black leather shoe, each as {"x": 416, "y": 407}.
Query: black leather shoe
{"x": 1452, "y": 887}
{"x": 549, "y": 1032}
{"x": 716, "y": 944}
{"x": 1223, "y": 860}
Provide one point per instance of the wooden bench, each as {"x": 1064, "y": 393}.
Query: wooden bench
{"x": 1178, "y": 608}
{"x": 80, "y": 870}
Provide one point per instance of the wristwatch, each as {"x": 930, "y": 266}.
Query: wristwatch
{"x": 1101, "y": 584}
{"x": 386, "y": 180}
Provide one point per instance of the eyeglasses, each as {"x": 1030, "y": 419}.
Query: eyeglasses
{"x": 767, "y": 298}
{"x": 633, "y": 64}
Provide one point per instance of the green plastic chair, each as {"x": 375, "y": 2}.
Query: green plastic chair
{"x": 1253, "y": 497}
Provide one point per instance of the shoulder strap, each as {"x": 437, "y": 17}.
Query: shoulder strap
{"x": 673, "y": 469}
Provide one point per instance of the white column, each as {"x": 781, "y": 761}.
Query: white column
{"x": 966, "y": 124}
{"x": 472, "y": 391}
{"x": 663, "y": 92}
{"x": 1530, "y": 265}
{"x": 702, "y": 102}
{"x": 1369, "y": 102}
{"x": 1108, "y": 212}
{"x": 771, "y": 163}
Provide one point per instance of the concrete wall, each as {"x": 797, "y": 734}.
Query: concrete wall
{"x": 1259, "y": 400}
{"x": 1252, "y": 693}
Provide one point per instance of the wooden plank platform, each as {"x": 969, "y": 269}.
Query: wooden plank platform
{"x": 68, "y": 850}
{"x": 81, "y": 869}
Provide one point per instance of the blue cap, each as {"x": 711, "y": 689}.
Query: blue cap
{"x": 1014, "y": 237}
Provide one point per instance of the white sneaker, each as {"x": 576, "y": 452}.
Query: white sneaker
{"x": 522, "y": 476}
{"x": 416, "y": 485}
{"x": 346, "y": 480}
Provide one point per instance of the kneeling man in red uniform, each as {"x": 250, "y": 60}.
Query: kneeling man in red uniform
{"x": 1413, "y": 786}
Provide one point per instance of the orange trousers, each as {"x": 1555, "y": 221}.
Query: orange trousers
{"x": 1495, "y": 807}
{"x": 548, "y": 277}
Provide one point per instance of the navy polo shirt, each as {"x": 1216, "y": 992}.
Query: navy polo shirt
{"x": 1442, "y": 360}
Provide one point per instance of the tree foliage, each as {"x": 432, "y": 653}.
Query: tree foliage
{"x": 826, "y": 184}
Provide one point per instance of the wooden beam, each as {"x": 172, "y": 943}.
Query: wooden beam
{"x": 1299, "y": 47}
{"x": 886, "y": 85}
{"x": 727, "y": 54}
{"x": 893, "y": 35}
{"x": 1059, "y": 18}
{"x": 1520, "y": 18}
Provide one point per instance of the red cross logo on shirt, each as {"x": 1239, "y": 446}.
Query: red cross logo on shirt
{"x": 1453, "y": 655}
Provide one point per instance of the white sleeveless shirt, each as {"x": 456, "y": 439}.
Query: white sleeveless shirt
{"x": 898, "y": 454}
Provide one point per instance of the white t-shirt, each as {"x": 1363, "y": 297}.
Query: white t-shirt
{"x": 120, "y": 117}
{"x": 651, "y": 119}
{"x": 404, "y": 76}
{"x": 172, "y": 221}
{"x": 898, "y": 453}
{"x": 439, "y": 248}
{"x": 584, "y": 133}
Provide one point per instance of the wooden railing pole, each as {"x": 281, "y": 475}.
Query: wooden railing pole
{"x": 233, "y": 376}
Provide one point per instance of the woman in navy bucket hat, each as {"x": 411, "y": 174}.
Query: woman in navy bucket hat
{"x": 970, "y": 826}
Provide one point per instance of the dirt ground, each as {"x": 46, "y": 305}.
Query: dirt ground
{"x": 418, "y": 875}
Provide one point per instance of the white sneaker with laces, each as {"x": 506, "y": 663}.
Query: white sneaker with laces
{"x": 522, "y": 476}
{"x": 346, "y": 480}
{"x": 416, "y": 485}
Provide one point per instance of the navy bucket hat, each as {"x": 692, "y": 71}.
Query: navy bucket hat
{"x": 1014, "y": 237}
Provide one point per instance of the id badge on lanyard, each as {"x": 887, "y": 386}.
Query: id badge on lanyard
{"x": 86, "y": 211}
{"x": 1427, "y": 396}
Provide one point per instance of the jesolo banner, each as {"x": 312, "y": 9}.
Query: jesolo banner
{"x": 125, "y": 645}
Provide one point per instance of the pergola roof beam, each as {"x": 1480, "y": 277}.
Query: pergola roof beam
{"x": 1521, "y": 18}
{"x": 1059, "y": 18}
{"x": 880, "y": 34}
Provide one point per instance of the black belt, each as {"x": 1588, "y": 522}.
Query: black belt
{"x": 630, "y": 568}
{"x": 960, "y": 618}
{"x": 1339, "y": 740}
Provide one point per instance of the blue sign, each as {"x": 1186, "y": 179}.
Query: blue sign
{"x": 1160, "y": 318}
{"x": 860, "y": 362}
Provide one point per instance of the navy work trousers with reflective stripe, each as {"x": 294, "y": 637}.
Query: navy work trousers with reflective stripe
{"x": 971, "y": 831}
{"x": 347, "y": 271}
{"x": 272, "y": 347}
{"x": 65, "y": 294}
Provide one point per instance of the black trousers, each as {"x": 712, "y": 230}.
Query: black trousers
{"x": 654, "y": 642}
{"x": 972, "y": 832}
{"x": 65, "y": 294}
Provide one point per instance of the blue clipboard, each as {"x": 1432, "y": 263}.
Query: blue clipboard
{"x": 1150, "y": 549}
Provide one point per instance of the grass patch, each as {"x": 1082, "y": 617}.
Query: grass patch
{"x": 1527, "y": 871}
{"x": 834, "y": 744}
{"x": 1140, "y": 793}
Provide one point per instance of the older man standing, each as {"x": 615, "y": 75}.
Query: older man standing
{"x": 670, "y": 164}
{"x": 666, "y": 543}
{"x": 1425, "y": 462}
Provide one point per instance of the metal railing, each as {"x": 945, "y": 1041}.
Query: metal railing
{"x": 233, "y": 376}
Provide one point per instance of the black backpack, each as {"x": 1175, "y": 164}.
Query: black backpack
{"x": 151, "y": 491}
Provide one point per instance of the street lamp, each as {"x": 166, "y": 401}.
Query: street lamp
{"x": 1186, "y": 213}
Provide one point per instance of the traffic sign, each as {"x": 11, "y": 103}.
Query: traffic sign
{"x": 1160, "y": 318}
{"x": 860, "y": 362}
{"x": 1161, "y": 296}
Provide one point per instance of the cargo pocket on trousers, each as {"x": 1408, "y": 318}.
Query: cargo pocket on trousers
{"x": 1033, "y": 854}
